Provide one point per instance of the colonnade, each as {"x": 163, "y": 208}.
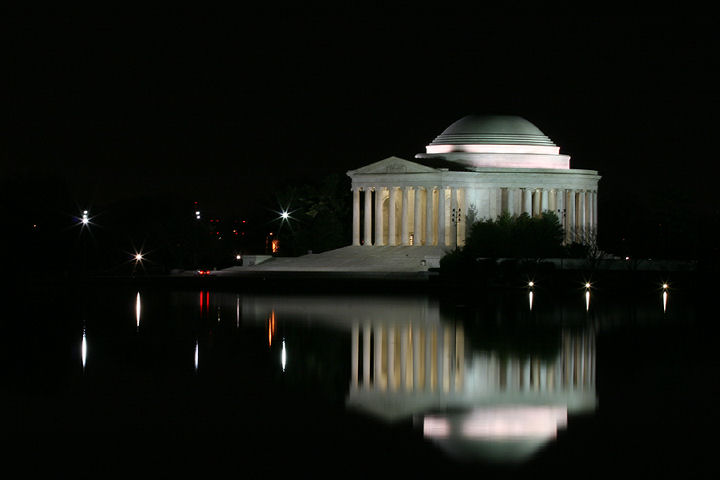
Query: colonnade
{"x": 410, "y": 215}
{"x": 408, "y": 357}
{"x": 431, "y": 215}
{"x": 432, "y": 359}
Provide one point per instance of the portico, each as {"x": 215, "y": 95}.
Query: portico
{"x": 467, "y": 175}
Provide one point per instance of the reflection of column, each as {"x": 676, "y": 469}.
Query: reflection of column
{"x": 446, "y": 350}
{"x": 429, "y": 363}
{"x": 392, "y": 379}
{"x": 377, "y": 346}
{"x": 356, "y": 216}
{"x": 416, "y": 359}
{"x": 417, "y": 224}
{"x": 441, "y": 216}
{"x": 459, "y": 358}
{"x": 368, "y": 217}
{"x": 355, "y": 340}
{"x": 404, "y": 377}
{"x": 405, "y": 240}
{"x": 366, "y": 355}
{"x": 525, "y": 380}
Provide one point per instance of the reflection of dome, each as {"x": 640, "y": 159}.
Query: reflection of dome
{"x": 492, "y": 130}
{"x": 496, "y": 141}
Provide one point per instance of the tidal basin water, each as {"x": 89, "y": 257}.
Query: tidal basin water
{"x": 515, "y": 383}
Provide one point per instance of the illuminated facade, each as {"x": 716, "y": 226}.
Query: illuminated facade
{"x": 479, "y": 167}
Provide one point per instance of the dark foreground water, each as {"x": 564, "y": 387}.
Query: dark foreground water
{"x": 145, "y": 381}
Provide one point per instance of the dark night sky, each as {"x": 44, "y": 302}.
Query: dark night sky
{"x": 230, "y": 108}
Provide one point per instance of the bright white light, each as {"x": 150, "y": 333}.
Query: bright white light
{"x": 665, "y": 286}
{"x": 284, "y": 215}
{"x": 238, "y": 257}
{"x": 436, "y": 427}
{"x": 138, "y": 257}
{"x": 531, "y": 284}
{"x": 283, "y": 356}
{"x": 587, "y": 284}
{"x": 514, "y": 422}
{"x": 137, "y": 310}
{"x": 587, "y": 300}
{"x": 531, "y": 300}
{"x": 197, "y": 354}
{"x": 83, "y": 349}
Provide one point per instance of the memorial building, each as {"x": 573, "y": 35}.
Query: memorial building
{"x": 478, "y": 168}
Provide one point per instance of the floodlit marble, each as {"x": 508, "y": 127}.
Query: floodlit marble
{"x": 479, "y": 167}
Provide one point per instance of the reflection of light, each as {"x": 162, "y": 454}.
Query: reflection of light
{"x": 665, "y": 299}
{"x": 271, "y": 328}
{"x": 197, "y": 356}
{"x": 83, "y": 349}
{"x": 237, "y": 312}
{"x": 587, "y": 300}
{"x": 283, "y": 356}
{"x": 530, "y": 296}
{"x": 137, "y": 311}
{"x": 501, "y": 423}
{"x": 436, "y": 427}
{"x": 513, "y": 422}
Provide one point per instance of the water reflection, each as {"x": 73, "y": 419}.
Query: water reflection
{"x": 408, "y": 361}
{"x": 137, "y": 312}
{"x": 283, "y": 356}
{"x": 197, "y": 354}
{"x": 83, "y": 350}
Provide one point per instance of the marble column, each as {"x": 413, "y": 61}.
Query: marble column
{"x": 545, "y": 200}
{"x": 417, "y": 227}
{"x": 392, "y": 220}
{"x": 560, "y": 206}
{"x": 571, "y": 227}
{"x": 379, "y": 193}
{"x": 368, "y": 217}
{"x": 511, "y": 201}
{"x": 429, "y": 217}
{"x": 356, "y": 216}
{"x": 441, "y": 216}
{"x": 535, "y": 202}
{"x": 405, "y": 240}
{"x": 527, "y": 200}
{"x": 454, "y": 217}
{"x": 595, "y": 212}
{"x": 580, "y": 215}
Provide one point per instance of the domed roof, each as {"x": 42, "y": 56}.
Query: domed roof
{"x": 492, "y": 130}
{"x": 495, "y": 141}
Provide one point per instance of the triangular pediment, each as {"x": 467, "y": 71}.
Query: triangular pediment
{"x": 393, "y": 165}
